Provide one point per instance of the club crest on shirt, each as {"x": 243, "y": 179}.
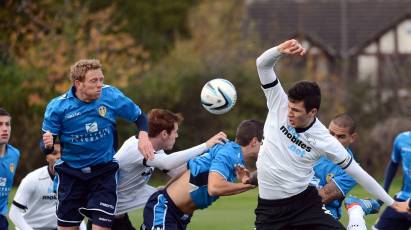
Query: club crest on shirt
{"x": 329, "y": 177}
{"x": 11, "y": 167}
{"x": 102, "y": 111}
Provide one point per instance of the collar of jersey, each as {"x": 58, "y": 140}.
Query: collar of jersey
{"x": 71, "y": 92}
{"x": 301, "y": 130}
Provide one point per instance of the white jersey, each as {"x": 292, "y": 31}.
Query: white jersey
{"x": 35, "y": 195}
{"x": 286, "y": 159}
{"x": 134, "y": 172}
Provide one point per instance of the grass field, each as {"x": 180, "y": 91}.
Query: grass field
{"x": 237, "y": 212}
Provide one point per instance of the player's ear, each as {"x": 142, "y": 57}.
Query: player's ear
{"x": 164, "y": 134}
{"x": 254, "y": 142}
{"x": 354, "y": 137}
{"x": 76, "y": 83}
{"x": 314, "y": 111}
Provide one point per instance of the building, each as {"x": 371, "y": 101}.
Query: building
{"x": 359, "y": 40}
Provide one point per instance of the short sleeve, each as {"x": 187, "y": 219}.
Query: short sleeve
{"x": 224, "y": 164}
{"x": 125, "y": 107}
{"x": 344, "y": 182}
{"x": 24, "y": 191}
{"x": 276, "y": 97}
{"x": 336, "y": 152}
{"x": 52, "y": 120}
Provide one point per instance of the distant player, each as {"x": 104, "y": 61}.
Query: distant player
{"x": 134, "y": 173}
{"x": 332, "y": 182}
{"x": 34, "y": 204}
{"x": 294, "y": 140}
{"x": 207, "y": 177}
{"x": 9, "y": 159}
{"x": 401, "y": 154}
{"x": 84, "y": 119}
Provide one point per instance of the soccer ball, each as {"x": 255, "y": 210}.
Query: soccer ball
{"x": 218, "y": 96}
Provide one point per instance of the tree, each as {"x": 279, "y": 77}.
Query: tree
{"x": 217, "y": 48}
{"x": 41, "y": 42}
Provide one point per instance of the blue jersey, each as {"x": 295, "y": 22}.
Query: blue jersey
{"x": 401, "y": 153}
{"x": 221, "y": 159}
{"x": 86, "y": 130}
{"x": 8, "y": 164}
{"x": 324, "y": 172}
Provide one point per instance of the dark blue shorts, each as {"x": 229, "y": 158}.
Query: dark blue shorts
{"x": 89, "y": 192}
{"x": 161, "y": 213}
{"x": 391, "y": 219}
{"x": 4, "y": 224}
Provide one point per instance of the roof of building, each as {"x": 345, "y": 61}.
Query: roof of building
{"x": 339, "y": 27}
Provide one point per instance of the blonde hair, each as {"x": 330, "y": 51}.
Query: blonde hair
{"x": 79, "y": 69}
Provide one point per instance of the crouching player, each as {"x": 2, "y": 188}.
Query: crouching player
{"x": 207, "y": 177}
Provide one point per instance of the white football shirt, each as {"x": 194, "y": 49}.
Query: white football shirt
{"x": 286, "y": 159}
{"x": 35, "y": 195}
{"x": 134, "y": 172}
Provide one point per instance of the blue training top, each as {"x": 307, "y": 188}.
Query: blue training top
{"x": 324, "y": 171}
{"x": 221, "y": 159}
{"x": 86, "y": 130}
{"x": 401, "y": 153}
{"x": 8, "y": 164}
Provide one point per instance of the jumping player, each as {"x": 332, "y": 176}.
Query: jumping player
{"x": 295, "y": 140}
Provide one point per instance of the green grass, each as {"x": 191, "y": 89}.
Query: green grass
{"x": 237, "y": 212}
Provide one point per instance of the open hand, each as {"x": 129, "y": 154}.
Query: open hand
{"x": 219, "y": 138}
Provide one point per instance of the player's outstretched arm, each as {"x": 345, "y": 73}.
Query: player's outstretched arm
{"x": 176, "y": 159}
{"x": 219, "y": 186}
{"x": 368, "y": 183}
{"x": 266, "y": 61}
{"x": 219, "y": 138}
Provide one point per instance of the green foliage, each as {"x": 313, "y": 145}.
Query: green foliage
{"x": 215, "y": 50}
{"x": 162, "y": 53}
{"x": 21, "y": 102}
{"x": 40, "y": 43}
{"x": 156, "y": 24}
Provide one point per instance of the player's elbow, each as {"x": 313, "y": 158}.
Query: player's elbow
{"x": 163, "y": 166}
{"x": 213, "y": 190}
{"x": 259, "y": 62}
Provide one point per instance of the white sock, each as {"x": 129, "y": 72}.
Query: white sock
{"x": 356, "y": 218}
